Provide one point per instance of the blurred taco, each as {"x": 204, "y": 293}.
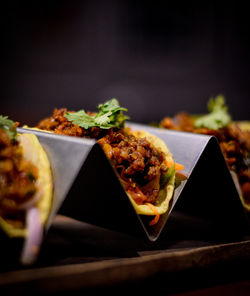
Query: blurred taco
{"x": 25, "y": 185}
{"x": 233, "y": 138}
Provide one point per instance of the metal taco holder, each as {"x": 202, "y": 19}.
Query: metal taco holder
{"x": 86, "y": 187}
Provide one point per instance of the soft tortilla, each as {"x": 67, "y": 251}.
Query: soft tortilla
{"x": 34, "y": 152}
{"x": 165, "y": 194}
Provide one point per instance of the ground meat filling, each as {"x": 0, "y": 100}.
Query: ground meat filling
{"x": 138, "y": 163}
{"x": 59, "y": 124}
{"x": 17, "y": 180}
{"x": 234, "y": 143}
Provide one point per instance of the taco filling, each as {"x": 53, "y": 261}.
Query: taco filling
{"x": 25, "y": 187}
{"x": 145, "y": 167}
{"x": 19, "y": 186}
{"x": 59, "y": 124}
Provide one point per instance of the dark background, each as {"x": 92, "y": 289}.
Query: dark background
{"x": 156, "y": 57}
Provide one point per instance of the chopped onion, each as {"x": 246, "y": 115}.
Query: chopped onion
{"x": 34, "y": 236}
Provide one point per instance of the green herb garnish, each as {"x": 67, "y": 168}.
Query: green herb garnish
{"x": 109, "y": 115}
{"x": 8, "y": 126}
{"x": 218, "y": 116}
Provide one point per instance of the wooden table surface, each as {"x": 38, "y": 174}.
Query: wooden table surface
{"x": 77, "y": 257}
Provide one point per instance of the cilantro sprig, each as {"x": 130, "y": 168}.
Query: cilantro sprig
{"x": 110, "y": 115}
{"x": 218, "y": 116}
{"x": 8, "y": 126}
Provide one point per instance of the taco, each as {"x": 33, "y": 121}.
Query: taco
{"x": 145, "y": 167}
{"x": 233, "y": 138}
{"x": 142, "y": 161}
{"x": 25, "y": 185}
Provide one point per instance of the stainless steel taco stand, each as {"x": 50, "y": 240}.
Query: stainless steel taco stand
{"x": 87, "y": 188}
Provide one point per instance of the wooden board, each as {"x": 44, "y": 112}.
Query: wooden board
{"x": 80, "y": 257}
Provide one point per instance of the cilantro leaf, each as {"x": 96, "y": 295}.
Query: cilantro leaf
{"x": 109, "y": 115}
{"x": 111, "y": 105}
{"x": 218, "y": 116}
{"x": 103, "y": 119}
{"x": 8, "y": 126}
{"x": 81, "y": 118}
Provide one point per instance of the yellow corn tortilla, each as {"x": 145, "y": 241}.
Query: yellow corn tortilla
{"x": 34, "y": 152}
{"x": 165, "y": 194}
